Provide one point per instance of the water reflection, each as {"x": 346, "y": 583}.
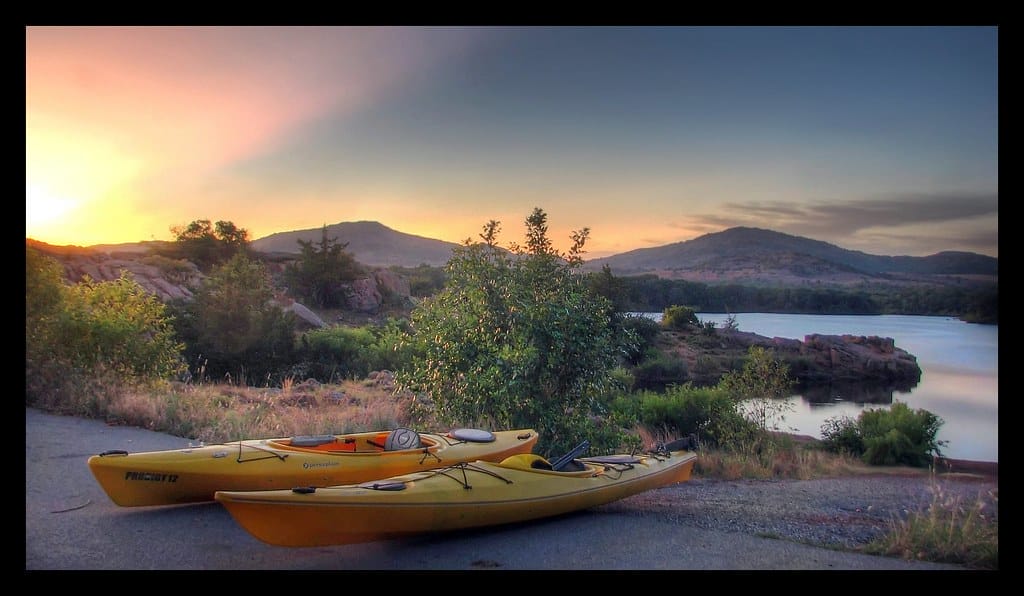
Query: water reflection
{"x": 959, "y": 378}
{"x": 858, "y": 393}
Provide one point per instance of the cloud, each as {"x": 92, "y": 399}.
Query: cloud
{"x": 909, "y": 223}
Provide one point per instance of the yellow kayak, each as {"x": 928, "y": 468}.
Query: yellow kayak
{"x": 465, "y": 495}
{"x": 194, "y": 474}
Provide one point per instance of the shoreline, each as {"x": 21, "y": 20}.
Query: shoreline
{"x": 966, "y": 466}
{"x": 943, "y": 465}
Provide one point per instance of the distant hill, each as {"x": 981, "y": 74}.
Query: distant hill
{"x": 738, "y": 255}
{"x": 756, "y": 255}
{"x": 369, "y": 242}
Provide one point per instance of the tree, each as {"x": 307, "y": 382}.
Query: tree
{"x": 761, "y": 388}
{"x": 322, "y": 271}
{"x": 207, "y": 245}
{"x": 515, "y": 339}
{"x": 233, "y": 328}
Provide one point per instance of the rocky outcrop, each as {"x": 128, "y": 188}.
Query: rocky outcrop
{"x": 857, "y": 357}
{"x": 832, "y": 360}
{"x": 170, "y": 279}
{"x": 369, "y": 294}
{"x": 164, "y": 278}
{"x": 363, "y": 295}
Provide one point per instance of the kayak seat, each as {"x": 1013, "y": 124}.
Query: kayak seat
{"x": 526, "y": 461}
{"x": 402, "y": 438}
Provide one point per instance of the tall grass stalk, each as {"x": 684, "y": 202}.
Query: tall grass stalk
{"x": 948, "y": 530}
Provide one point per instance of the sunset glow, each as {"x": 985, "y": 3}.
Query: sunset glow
{"x": 876, "y": 139}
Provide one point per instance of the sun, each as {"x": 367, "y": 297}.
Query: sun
{"x": 43, "y": 208}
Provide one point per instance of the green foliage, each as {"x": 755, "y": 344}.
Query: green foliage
{"x": 683, "y": 409}
{"x": 115, "y": 329}
{"x": 679, "y": 317}
{"x": 842, "y": 435}
{"x": 971, "y": 302}
{"x": 516, "y": 340}
{"x": 886, "y": 437}
{"x": 424, "y": 280}
{"x": 232, "y": 327}
{"x": 644, "y": 331}
{"x": 322, "y": 271}
{"x": 900, "y": 435}
{"x": 761, "y": 388}
{"x": 335, "y": 353}
{"x": 603, "y": 283}
{"x": 660, "y": 370}
{"x": 207, "y": 245}
{"x": 44, "y": 286}
{"x": 120, "y": 326}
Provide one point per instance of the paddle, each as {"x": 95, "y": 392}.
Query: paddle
{"x": 563, "y": 461}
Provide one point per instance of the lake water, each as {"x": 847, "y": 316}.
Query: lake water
{"x": 959, "y": 374}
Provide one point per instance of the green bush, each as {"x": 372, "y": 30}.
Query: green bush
{"x": 679, "y": 317}
{"x": 337, "y": 353}
{"x": 886, "y": 437}
{"x": 114, "y": 330}
{"x": 119, "y": 326}
{"x": 660, "y": 370}
{"x": 842, "y": 435}
{"x": 900, "y": 435}
{"x": 683, "y": 409}
{"x": 645, "y": 330}
{"x": 353, "y": 352}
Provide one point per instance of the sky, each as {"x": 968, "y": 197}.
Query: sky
{"x": 878, "y": 139}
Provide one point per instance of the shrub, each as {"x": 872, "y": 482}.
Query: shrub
{"x": 900, "y": 435}
{"x": 353, "y": 352}
{"x": 679, "y": 317}
{"x": 645, "y": 330}
{"x": 842, "y": 435}
{"x": 683, "y": 409}
{"x": 106, "y": 333}
{"x": 886, "y": 437}
{"x": 660, "y": 370}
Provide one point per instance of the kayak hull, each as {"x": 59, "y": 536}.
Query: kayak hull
{"x": 195, "y": 474}
{"x": 467, "y": 495}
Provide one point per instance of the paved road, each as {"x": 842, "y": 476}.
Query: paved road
{"x": 70, "y": 524}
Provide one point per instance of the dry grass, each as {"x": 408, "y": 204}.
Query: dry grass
{"x": 216, "y": 413}
{"x": 949, "y": 530}
{"x": 777, "y": 457}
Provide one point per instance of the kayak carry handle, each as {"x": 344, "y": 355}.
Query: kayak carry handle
{"x": 563, "y": 461}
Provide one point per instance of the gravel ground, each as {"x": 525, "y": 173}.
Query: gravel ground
{"x": 845, "y": 512}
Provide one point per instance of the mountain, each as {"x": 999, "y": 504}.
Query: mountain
{"x": 737, "y": 255}
{"x": 369, "y": 242}
{"x": 755, "y": 255}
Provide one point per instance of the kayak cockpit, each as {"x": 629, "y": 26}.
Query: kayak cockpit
{"x": 374, "y": 442}
{"x": 536, "y": 463}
